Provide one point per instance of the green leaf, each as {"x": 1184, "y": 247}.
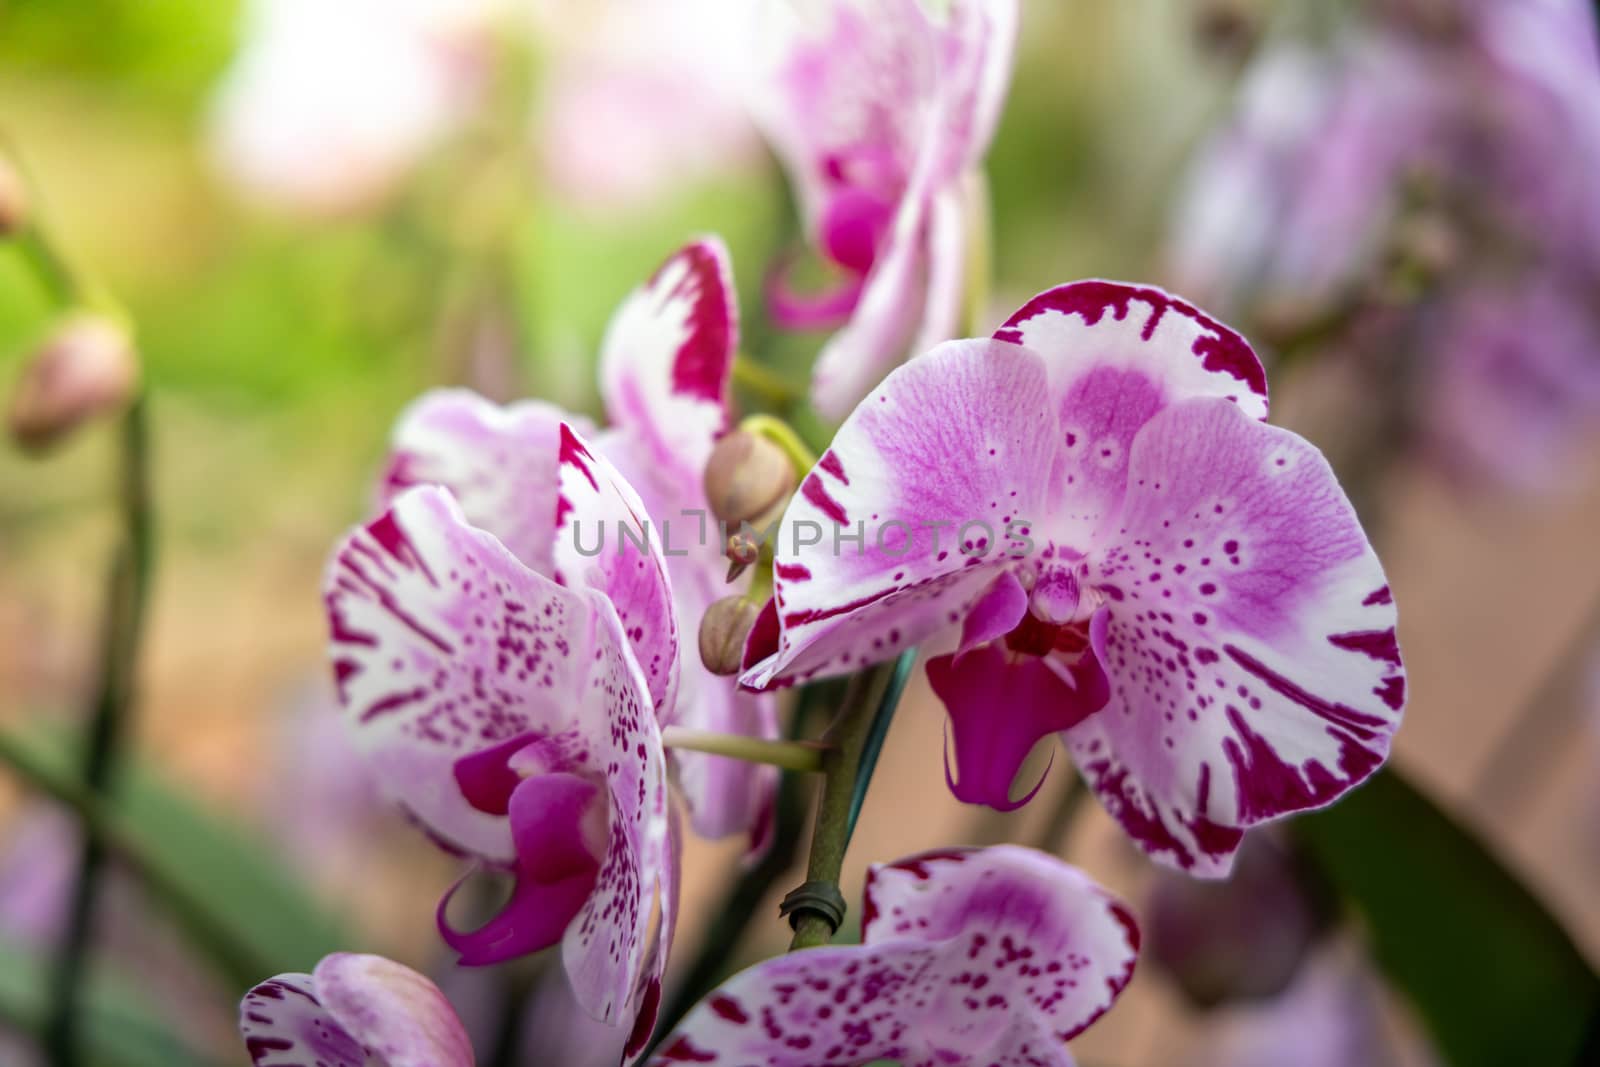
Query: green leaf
{"x": 119, "y": 1030}
{"x": 258, "y": 919}
{"x": 1495, "y": 977}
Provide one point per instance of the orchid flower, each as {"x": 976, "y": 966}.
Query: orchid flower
{"x": 507, "y": 713}
{"x": 1087, "y": 525}
{"x": 994, "y": 956}
{"x": 352, "y": 1011}
{"x": 665, "y": 368}
{"x": 881, "y": 112}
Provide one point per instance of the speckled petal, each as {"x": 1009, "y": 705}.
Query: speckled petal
{"x": 285, "y": 1025}
{"x": 943, "y": 468}
{"x": 443, "y": 644}
{"x": 1252, "y": 653}
{"x": 1116, "y": 355}
{"x": 994, "y": 956}
{"x": 605, "y": 539}
{"x": 498, "y": 462}
{"x": 396, "y": 1013}
{"x": 667, "y": 359}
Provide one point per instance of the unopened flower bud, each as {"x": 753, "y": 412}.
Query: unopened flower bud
{"x": 748, "y": 479}
{"x": 13, "y": 200}
{"x": 1227, "y": 28}
{"x": 86, "y": 369}
{"x": 723, "y": 630}
{"x": 1241, "y": 939}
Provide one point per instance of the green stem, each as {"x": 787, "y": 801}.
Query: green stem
{"x": 190, "y": 911}
{"x": 830, "y": 836}
{"x": 739, "y": 907}
{"x": 804, "y": 756}
{"x": 764, "y": 382}
{"x": 877, "y": 733}
{"x": 108, "y": 725}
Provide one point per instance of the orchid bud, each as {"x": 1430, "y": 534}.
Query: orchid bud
{"x": 723, "y": 630}
{"x": 748, "y": 479}
{"x": 1227, "y": 28}
{"x": 1240, "y": 939}
{"x": 13, "y": 200}
{"x": 86, "y": 369}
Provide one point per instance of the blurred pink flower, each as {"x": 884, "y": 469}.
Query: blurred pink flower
{"x": 1459, "y": 150}
{"x": 1331, "y": 1016}
{"x": 329, "y": 103}
{"x": 881, "y": 112}
{"x": 642, "y": 97}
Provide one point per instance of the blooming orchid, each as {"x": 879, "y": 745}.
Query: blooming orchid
{"x": 666, "y": 362}
{"x": 508, "y": 714}
{"x": 995, "y": 956}
{"x": 1129, "y": 558}
{"x": 352, "y": 1011}
{"x": 881, "y": 112}
{"x": 1445, "y": 152}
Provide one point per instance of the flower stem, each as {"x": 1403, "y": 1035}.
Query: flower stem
{"x": 807, "y": 756}
{"x": 108, "y": 725}
{"x": 711, "y": 963}
{"x": 764, "y": 382}
{"x": 850, "y": 736}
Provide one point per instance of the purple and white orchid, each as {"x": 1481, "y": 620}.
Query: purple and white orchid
{"x": 507, "y": 713}
{"x": 881, "y": 111}
{"x": 666, "y": 363}
{"x": 352, "y": 1011}
{"x": 1088, "y": 527}
{"x": 995, "y": 956}
{"x": 1446, "y": 152}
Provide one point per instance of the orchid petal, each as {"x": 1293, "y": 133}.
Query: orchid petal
{"x": 393, "y": 1011}
{"x": 354, "y": 1010}
{"x": 1000, "y": 706}
{"x": 823, "y": 310}
{"x": 556, "y": 1025}
{"x": 979, "y": 41}
{"x": 498, "y": 462}
{"x": 947, "y": 268}
{"x": 994, "y": 956}
{"x": 444, "y": 644}
{"x": 1116, "y": 355}
{"x": 620, "y": 557}
{"x": 285, "y": 1025}
{"x": 995, "y": 614}
{"x": 845, "y": 95}
{"x": 880, "y": 329}
{"x": 1251, "y": 649}
{"x": 667, "y": 359}
{"x": 559, "y": 823}
{"x": 939, "y": 470}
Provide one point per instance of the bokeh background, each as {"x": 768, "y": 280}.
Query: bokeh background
{"x": 290, "y": 295}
